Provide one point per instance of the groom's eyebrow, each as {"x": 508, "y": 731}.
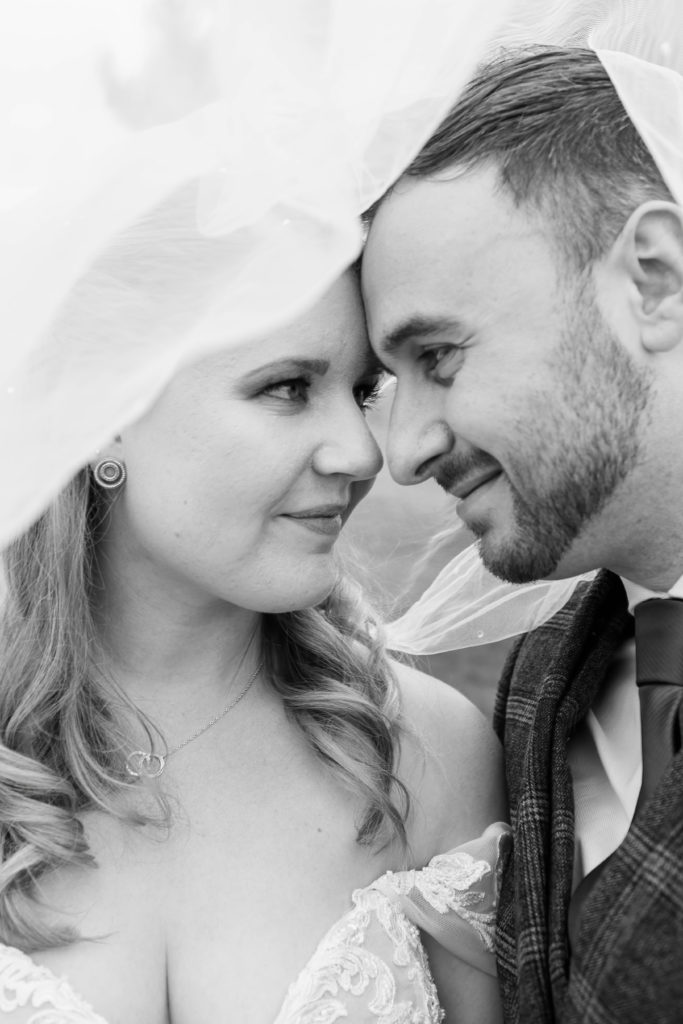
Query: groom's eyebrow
{"x": 418, "y": 328}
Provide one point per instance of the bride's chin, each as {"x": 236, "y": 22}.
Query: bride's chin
{"x": 307, "y": 594}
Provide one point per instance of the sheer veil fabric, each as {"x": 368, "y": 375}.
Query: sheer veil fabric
{"x": 257, "y": 131}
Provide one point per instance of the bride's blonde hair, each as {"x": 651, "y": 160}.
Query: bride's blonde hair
{"x": 63, "y": 723}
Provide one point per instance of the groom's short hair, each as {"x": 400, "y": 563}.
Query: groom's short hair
{"x": 552, "y": 123}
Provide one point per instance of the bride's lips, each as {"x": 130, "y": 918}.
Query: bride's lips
{"x": 325, "y": 519}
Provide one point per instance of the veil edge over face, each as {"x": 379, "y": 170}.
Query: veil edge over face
{"x": 180, "y": 177}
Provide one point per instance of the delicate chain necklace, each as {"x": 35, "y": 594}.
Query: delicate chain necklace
{"x": 149, "y": 765}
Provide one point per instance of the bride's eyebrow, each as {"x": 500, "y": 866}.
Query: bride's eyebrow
{"x": 289, "y": 366}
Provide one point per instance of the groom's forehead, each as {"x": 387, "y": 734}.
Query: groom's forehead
{"x": 398, "y": 252}
{"x": 400, "y": 286}
{"x": 427, "y": 223}
{"x": 423, "y": 242}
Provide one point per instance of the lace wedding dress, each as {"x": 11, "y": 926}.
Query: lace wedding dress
{"x": 369, "y": 968}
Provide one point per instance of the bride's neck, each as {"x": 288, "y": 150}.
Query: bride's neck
{"x": 158, "y": 637}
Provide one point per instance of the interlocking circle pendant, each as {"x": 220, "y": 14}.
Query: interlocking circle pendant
{"x": 143, "y": 765}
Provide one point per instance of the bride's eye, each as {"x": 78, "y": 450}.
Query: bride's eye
{"x": 294, "y": 389}
{"x": 367, "y": 392}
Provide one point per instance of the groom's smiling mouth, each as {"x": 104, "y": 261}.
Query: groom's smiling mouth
{"x": 473, "y": 482}
{"x": 462, "y": 475}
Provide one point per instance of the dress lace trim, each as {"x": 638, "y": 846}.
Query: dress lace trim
{"x": 24, "y": 983}
{"x": 370, "y": 965}
{"x": 342, "y": 967}
{"x": 375, "y": 953}
{"x": 446, "y": 885}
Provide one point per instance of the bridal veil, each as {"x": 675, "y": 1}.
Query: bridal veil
{"x": 260, "y": 130}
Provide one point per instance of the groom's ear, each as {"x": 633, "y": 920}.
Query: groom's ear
{"x": 649, "y": 253}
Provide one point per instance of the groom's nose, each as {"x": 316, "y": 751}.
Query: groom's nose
{"x": 417, "y": 438}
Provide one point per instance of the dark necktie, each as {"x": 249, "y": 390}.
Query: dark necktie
{"x": 659, "y": 675}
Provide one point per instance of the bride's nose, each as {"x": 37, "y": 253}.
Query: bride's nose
{"x": 347, "y": 446}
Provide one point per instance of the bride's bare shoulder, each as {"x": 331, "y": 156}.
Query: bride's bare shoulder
{"x": 450, "y": 761}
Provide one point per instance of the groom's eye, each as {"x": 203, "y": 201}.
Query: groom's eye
{"x": 442, "y": 361}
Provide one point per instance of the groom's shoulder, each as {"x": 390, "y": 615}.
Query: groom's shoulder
{"x": 451, "y": 761}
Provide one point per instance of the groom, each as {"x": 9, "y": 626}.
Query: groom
{"x": 524, "y": 282}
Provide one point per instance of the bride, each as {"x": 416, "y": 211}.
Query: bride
{"x": 220, "y": 800}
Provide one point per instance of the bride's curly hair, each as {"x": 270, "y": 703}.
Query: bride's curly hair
{"x": 63, "y": 722}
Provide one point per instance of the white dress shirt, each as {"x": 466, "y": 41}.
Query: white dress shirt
{"x": 605, "y": 755}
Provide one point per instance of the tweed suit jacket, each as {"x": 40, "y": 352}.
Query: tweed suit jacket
{"x": 627, "y": 967}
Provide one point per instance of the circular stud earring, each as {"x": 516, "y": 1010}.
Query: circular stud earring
{"x": 109, "y": 473}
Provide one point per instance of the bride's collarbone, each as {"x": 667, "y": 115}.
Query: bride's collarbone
{"x": 221, "y": 937}
{"x": 220, "y": 910}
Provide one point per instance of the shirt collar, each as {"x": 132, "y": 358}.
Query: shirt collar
{"x": 635, "y": 593}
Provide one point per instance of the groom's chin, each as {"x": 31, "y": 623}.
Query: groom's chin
{"x": 523, "y": 542}
{"x": 509, "y": 568}
{"x": 518, "y": 560}
{"x": 509, "y": 551}
{"x": 515, "y": 557}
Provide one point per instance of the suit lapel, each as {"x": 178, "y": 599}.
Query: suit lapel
{"x": 555, "y": 676}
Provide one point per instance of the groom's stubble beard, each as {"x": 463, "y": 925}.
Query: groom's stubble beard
{"x": 572, "y": 450}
